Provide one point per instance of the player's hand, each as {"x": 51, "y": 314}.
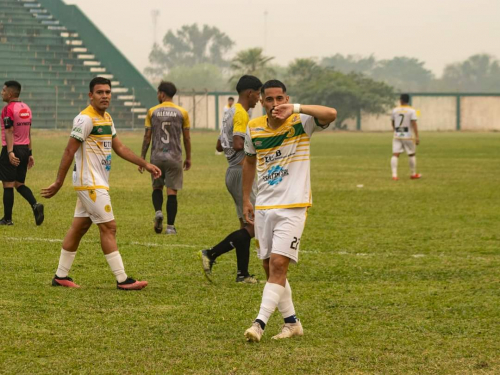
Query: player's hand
{"x": 417, "y": 141}
{"x": 13, "y": 159}
{"x": 140, "y": 169}
{"x": 187, "y": 164}
{"x": 31, "y": 162}
{"x": 51, "y": 190}
{"x": 248, "y": 213}
{"x": 282, "y": 111}
{"x": 154, "y": 170}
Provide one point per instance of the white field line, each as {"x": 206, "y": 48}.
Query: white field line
{"x": 147, "y": 244}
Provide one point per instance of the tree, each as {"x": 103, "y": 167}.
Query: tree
{"x": 479, "y": 73}
{"x": 403, "y": 73}
{"x": 349, "y": 93}
{"x": 189, "y": 46}
{"x": 350, "y": 63}
{"x": 251, "y": 61}
{"x": 301, "y": 69}
{"x": 199, "y": 77}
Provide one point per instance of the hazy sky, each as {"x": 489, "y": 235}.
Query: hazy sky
{"x": 435, "y": 31}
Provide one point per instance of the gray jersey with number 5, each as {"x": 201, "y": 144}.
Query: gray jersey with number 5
{"x": 167, "y": 120}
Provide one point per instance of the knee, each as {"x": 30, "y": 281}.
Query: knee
{"x": 17, "y": 185}
{"x": 278, "y": 266}
{"x": 108, "y": 228}
{"x": 81, "y": 230}
{"x": 411, "y": 155}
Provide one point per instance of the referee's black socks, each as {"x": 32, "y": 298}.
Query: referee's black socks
{"x": 171, "y": 209}
{"x": 27, "y": 194}
{"x": 8, "y": 203}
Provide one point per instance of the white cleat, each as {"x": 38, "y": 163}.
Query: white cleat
{"x": 254, "y": 333}
{"x": 289, "y": 330}
{"x": 170, "y": 230}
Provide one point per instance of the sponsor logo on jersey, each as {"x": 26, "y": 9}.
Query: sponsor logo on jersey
{"x": 107, "y": 162}
{"x": 24, "y": 113}
{"x": 275, "y": 175}
{"x": 107, "y": 208}
{"x": 107, "y": 145}
{"x": 258, "y": 143}
{"x": 99, "y": 130}
{"x": 291, "y": 132}
{"x": 76, "y": 129}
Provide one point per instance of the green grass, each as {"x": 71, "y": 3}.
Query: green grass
{"x": 393, "y": 278}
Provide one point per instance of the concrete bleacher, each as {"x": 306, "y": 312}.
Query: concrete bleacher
{"x": 55, "y": 66}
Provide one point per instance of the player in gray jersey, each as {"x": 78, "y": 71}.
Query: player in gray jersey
{"x": 231, "y": 141}
{"x": 165, "y": 123}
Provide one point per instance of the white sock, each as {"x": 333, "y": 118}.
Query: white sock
{"x": 116, "y": 264}
{"x": 65, "y": 261}
{"x": 285, "y": 306}
{"x": 412, "y": 160}
{"x": 270, "y": 299}
{"x": 394, "y": 166}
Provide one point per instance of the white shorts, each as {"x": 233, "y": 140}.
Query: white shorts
{"x": 401, "y": 145}
{"x": 95, "y": 204}
{"x": 278, "y": 231}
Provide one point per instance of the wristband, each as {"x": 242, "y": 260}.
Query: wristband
{"x": 296, "y": 108}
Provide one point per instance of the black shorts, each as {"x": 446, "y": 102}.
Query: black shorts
{"x": 10, "y": 173}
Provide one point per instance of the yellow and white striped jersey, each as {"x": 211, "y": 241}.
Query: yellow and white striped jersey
{"x": 283, "y": 161}
{"x": 93, "y": 158}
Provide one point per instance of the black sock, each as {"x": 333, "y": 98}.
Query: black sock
{"x": 8, "y": 203}
{"x": 261, "y": 323}
{"x": 228, "y": 243}
{"x": 157, "y": 199}
{"x": 291, "y": 319}
{"x": 243, "y": 251}
{"x": 171, "y": 209}
{"x": 27, "y": 194}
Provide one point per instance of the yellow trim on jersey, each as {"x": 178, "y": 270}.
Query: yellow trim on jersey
{"x": 185, "y": 124}
{"x": 288, "y": 142}
{"x": 82, "y": 188}
{"x": 295, "y": 205}
{"x": 240, "y": 119}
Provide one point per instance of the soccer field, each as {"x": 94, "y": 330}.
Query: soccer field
{"x": 394, "y": 277}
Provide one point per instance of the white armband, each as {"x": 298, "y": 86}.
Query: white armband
{"x": 296, "y": 108}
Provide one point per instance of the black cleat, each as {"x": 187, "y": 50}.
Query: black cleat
{"x": 38, "y": 212}
{"x": 6, "y": 222}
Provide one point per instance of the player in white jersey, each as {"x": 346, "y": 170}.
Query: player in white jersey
{"x": 278, "y": 147}
{"x": 404, "y": 123}
{"x": 92, "y": 138}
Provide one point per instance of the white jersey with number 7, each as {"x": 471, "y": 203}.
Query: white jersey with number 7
{"x": 402, "y": 117}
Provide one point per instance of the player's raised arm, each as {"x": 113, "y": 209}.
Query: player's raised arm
{"x": 324, "y": 115}
{"x": 125, "y": 153}
{"x": 66, "y": 160}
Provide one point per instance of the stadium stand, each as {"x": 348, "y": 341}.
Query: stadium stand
{"x": 54, "y": 50}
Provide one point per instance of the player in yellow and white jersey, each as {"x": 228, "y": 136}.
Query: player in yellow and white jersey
{"x": 92, "y": 138}
{"x": 277, "y": 145}
{"x": 404, "y": 123}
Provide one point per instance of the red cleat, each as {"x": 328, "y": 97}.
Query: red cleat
{"x": 67, "y": 282}
{"x": 131, "y": 284}
{"x": 416, "y": 176}
{"x": 395, "y": 178}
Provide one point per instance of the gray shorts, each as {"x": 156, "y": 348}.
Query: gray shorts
{"x": 171, "y": 174}
{"x": 234, "y": 184}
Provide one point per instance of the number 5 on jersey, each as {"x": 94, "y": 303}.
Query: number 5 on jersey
{"x": 164, "y": 125}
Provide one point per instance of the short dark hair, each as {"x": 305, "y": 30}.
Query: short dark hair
{"x": 272, "y": 83}
{"x": 248, "y": 82}
{"x": 99, "y": 81}
{"x": 230, "y": 98}
{"x": 405, "y": 98}
{"x": 15, "y": 86}
{"x": 168, "y": 88}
